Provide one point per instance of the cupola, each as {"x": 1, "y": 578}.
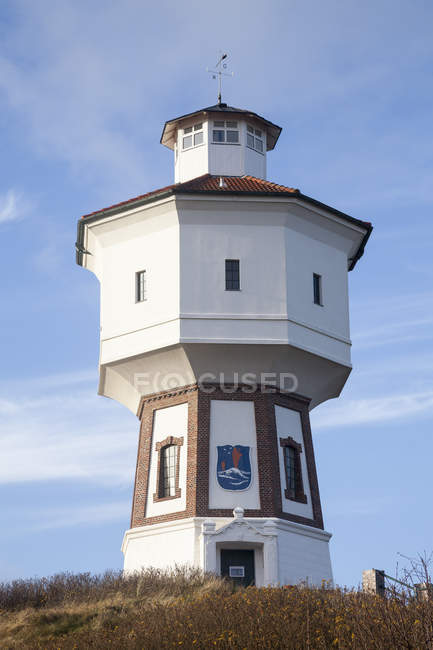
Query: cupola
{"x": 220, "y": 140}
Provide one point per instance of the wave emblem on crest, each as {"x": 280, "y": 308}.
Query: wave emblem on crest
{"x": 234, "y": 467}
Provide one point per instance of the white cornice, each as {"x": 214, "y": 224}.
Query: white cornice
{"x": 238, "y": 198}
{"x": 271, "y": 317}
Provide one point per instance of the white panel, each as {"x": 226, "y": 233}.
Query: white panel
{"x": 289, "y": 424}
{"x": 232, "y": 423}
{"x": 192, "y": 163}
{"x": 278, "y": 253}
{"x": 170, "y": 421}
{"x": 255, "y": 163}
{"x": 268, "y": 331}
{"x": 261, "y": 252}
{"x": 303, "y": 558}
{"x": 136, "y": 247}
{"x": 153, "y": 337}
{"x": 226, "y": 159}
{"x": 307, "y": 254}
{"x": 162, "y": 546}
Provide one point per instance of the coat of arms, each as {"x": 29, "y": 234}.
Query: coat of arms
{"x": 234, "y": 467}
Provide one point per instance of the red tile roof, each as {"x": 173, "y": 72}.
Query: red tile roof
{"x": 208, "y": 183}
{"x": 234, "y": 185}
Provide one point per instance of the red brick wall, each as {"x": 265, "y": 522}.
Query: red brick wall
{"x": 197, "y": 488}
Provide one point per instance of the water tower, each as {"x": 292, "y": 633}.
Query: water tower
{"x": 224, "y": 321}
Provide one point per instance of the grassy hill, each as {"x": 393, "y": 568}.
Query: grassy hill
{"x": 186, "y": 609}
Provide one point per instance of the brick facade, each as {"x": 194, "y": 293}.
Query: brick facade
{"x": 197, "y": 485}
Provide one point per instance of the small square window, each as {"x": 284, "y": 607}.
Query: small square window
{"x": 232, "y": 275}
{"x": 255, "y": 138}
{"x": 187, "y": 142}
{"x": 218, "y": 136}
{"x": 140, "y": 286}
{"x": 232, "y": 136}
{"x": 226, "y": 132}
{"x": 193, "y": 136}
{"x": 317, "y": 289}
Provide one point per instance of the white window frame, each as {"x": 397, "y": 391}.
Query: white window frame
{"x": 225, "y": 126}
{"x": 258, "y": 137}
{"x": 193, "y": 131}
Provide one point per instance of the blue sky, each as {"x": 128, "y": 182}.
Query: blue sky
{"x": 84, "y": 91}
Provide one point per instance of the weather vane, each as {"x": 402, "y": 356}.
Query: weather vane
{"x": 219, "y": 72}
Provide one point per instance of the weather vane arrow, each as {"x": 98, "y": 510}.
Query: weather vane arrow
{"x": 219, "y": 72}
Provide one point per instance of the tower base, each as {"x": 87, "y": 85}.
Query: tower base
{"x": 280, "y": 552}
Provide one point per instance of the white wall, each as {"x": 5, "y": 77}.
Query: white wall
{"x": 277, "y": 262}
{"x": 232, "y": 423}
{"x": 226, "y": 159}
{"x": 289, "y": 424}
{"x": 210, "y": 240}
{"x": 162, "y": 545}
{"x": 182, "y": 243}
{"x": 191, "y": 163}
{"x": 302, "y": 551}
{"x": 303, "y": 555}
{"x": 170, "y": 421}
{"x": 310, "y": 249}
{"x": 147, "y": 240}
{"x": 255, "y": 163}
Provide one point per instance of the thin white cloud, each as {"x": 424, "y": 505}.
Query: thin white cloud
{"x": 357, "y": 508}
{"x": 31, "y": 518}
{"x": 384, "y": 320}
{"x": 406, "y": 303}
{"x": 83, "y": 515}
{"x": 95, "y": 101}
{"x": 355, "y": 412}
{"x": 62, "y": 430}
{"x": 12, "y": 206}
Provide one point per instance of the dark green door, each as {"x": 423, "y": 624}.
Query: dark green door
{"x": 238, "y": 565}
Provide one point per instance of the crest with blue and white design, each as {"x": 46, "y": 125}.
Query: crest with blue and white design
{"x": 234, "y": 467}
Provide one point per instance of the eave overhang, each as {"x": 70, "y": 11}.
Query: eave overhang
{"x": 83, "y": 222}
{"x": 169, "y": 131}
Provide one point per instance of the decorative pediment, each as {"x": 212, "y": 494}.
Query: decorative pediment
{"x": 239, "y": 529}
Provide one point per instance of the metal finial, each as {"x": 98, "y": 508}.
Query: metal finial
{"x": 219, "y": 73}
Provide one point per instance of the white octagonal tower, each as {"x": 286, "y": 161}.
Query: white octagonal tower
{"x": 224, "y": 320}
{"x": 220, "y": 140}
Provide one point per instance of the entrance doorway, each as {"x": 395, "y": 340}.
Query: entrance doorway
{"x": 238, "y": 565}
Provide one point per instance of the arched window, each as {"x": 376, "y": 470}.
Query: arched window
{"x": 292, "y": 469}
{"x": 167, "y": 480}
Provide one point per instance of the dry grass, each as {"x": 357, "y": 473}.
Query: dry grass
{"x": 190, "y": 610}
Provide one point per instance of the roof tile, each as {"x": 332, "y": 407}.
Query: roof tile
{"x": 208, "y": 183}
